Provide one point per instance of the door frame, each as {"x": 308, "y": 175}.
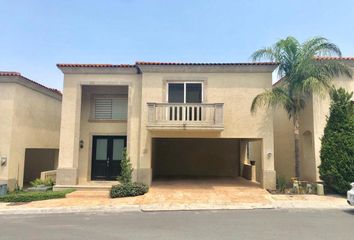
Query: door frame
{"x": 109, "y": 148}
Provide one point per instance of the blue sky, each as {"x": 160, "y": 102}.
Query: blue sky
{"x": 35, "y": 35}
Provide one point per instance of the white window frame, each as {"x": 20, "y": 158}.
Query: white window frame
{"x": 184, "y": 89}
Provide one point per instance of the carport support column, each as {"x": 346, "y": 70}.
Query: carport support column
{"x": 67, "y": 173}
{"x": 243, "y": 155}
{"x": 268, "y": 174}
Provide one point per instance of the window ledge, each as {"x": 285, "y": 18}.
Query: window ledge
{"x": 107, "y": 121}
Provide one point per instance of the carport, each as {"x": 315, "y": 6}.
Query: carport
{"x": 195, "y": 157}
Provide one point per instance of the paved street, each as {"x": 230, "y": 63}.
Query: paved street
{"x": 238, "y": 224}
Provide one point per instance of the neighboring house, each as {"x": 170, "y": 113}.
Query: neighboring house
{"x": 29, "y": 128}
{"x": 176, "y": 120}
{"x": 312, "y": 124}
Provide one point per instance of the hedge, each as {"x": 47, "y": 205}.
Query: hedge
{"x": 337, "y": 151}
{"x": 128, "y": 190}
{"x": 21, "y": 196}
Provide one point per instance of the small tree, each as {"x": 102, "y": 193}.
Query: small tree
{"x": 337, "y": 151}
{"x": 126, "y": 169}
{"x": 304, "y": 74}
{"x": 127, "y": 188}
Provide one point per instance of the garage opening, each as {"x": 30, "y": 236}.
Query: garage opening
{"x": 37, "y": 161}
{"x": 195, "y": 157}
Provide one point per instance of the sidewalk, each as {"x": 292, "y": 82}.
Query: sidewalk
{"x": 88, "y": 202}
{"x": 309, "y": 201}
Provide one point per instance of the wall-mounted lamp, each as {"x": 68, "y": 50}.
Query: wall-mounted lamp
{"x": 3, "y": 161}
{"x": 269, "y": 155}
{"x": 81, "y": 143}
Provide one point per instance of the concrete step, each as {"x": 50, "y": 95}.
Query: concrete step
{"x": 88, "y": 194}
{"x": 89, "y": 186}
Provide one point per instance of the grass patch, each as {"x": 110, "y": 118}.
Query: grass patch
{"x": 21, "y": 196}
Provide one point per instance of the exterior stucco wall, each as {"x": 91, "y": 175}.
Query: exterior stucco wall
{"x": 35, "y": 124}
{"x": 283, "y": 145}
{"x": 6, "y": 122}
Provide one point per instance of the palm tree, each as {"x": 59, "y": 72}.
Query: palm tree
{"x": 303, "y": 73}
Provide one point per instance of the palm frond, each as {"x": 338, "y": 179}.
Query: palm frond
{"x": 303, "y": 73}
{"x": 320, "y": 46}
{"x": 319, "y": 86}
{"x": 334, "y": 68}
{"x": 264, "y": 54}
{"x": 276, "y": 97}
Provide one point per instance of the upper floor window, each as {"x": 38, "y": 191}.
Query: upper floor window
{"x": 110, "y": 108}
{"x": 185, "y": 92}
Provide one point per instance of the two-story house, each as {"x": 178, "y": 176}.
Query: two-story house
{"x": 175, "y": 119}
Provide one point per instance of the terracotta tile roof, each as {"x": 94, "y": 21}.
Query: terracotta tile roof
{"x": 75, "y": 65}
{"x": 9, "y": 73}
{"x": 204, "y": 64}
{"x": 335, "y": 58}
{"x": 95, "y": 65}
{"x": 17, "y": 74}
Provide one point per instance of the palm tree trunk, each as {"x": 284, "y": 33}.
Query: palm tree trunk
{"x": 297, "y": 145}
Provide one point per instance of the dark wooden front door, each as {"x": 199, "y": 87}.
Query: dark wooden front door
{"x": 107, "y": 153}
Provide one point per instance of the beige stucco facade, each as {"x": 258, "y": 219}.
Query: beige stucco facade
{"x": 312, "y": 124}
{"x": 30, "y": 120}
{"x": 234, "y": 86}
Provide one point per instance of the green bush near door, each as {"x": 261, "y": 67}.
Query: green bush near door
{"x": 127, "y": 188}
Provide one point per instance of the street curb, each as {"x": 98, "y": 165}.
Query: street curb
{"x": 201, "y": 207}
{"x": 168, "y": 208}
{"x": 129, "y": 208}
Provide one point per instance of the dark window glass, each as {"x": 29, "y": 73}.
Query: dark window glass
{"x": 193, "y": 93}
{"x": 175, "y": 93}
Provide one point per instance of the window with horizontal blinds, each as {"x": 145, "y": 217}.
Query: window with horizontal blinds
{"x": 111, "y": 108}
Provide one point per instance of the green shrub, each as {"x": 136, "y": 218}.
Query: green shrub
{"x": 128, "y": 190}
{"x": 47, "y": 182}
{"x": 337, "y": 150}
{"x": 281, "y": 184}
{"x": 21, "y": 196}
{"x": 126, "y": 172}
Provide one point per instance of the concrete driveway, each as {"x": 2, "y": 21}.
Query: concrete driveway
{"x": 222, "y": 193}
{"x": 217, "y": 192}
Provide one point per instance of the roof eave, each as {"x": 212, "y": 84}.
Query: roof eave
{"x": 21, "y": 80}
{"x": 97, "y": 69}
{"x": 194, "y": 68}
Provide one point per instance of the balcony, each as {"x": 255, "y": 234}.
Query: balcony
{"x": 179, "y": 116}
